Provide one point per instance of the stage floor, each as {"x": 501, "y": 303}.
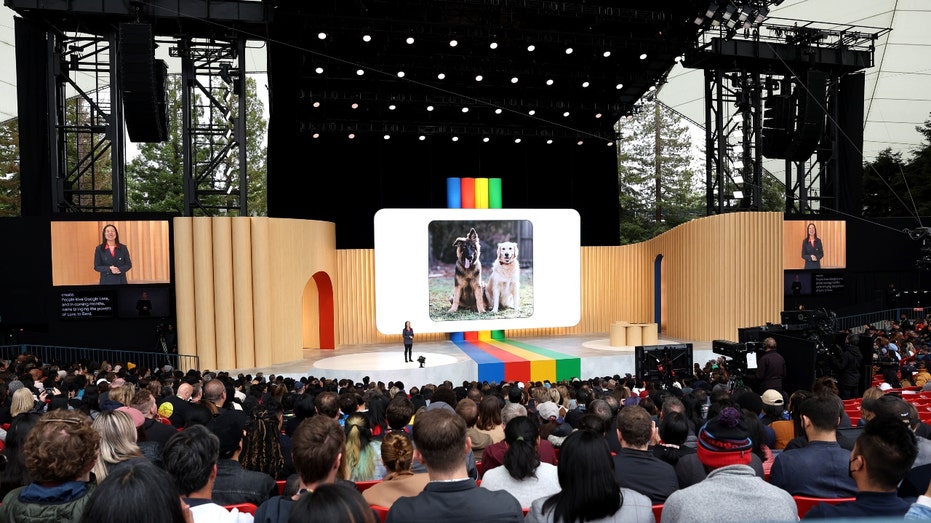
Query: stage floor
{"x": 446, "y": 361}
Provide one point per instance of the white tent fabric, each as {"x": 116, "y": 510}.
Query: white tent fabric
{"x": 898, "y": 86}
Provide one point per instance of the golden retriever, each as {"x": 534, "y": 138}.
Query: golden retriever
{"x": 503, "y": 287}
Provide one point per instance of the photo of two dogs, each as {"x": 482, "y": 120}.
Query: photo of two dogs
{"x": 471, "y": 291}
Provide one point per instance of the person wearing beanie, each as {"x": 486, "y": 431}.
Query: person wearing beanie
{"x": 732, "y": 491}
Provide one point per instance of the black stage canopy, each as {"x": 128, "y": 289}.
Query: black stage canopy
{"x": 375, "y": 103}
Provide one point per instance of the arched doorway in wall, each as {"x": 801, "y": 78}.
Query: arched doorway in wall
{"x": 659, "y": 294}
{"x": 317, "y": 315}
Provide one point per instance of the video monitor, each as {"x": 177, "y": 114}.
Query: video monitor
{"x": 665, "y": 363}
{"x": 813, "y": 245}
{"x": 453, "y": 270}
{"x": 144, "y": 249}
{"x": 94, "y": 279}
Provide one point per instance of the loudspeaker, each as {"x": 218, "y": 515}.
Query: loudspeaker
{"x": 812, "y": 97}
{"x": 777, "y": 126}
{"x": 142, "y": 81}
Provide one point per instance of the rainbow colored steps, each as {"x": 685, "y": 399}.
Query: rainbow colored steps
{"x": 500, "y": 359}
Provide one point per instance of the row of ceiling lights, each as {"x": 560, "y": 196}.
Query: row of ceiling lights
{"x": 431, "y": 108}
{"x": 485, "y": 139}
{"x": 478, "y": 78}
{"x": 410, "y": 40}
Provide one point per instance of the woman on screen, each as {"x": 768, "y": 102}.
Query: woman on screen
{"x": 111, "y": 258}
{"x": 812, "y": 251}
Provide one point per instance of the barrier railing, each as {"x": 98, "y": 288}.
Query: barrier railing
{"x": 880, "y": 319}
{"x": 64, "y": 356}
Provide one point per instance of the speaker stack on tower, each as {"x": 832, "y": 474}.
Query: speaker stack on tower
{"x": 142, "y": 81}
{"x": 793, "y": 125}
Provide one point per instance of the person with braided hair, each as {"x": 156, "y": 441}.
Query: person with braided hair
{"x": 523, "y": 474}
{"x": 397, "y": 453}
{"x": 261, "y": 447}
{"x": 360, "y": 457}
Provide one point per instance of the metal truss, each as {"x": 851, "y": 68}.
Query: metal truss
{"x": 86, "y": 132}
{"x": 214, "y": 126}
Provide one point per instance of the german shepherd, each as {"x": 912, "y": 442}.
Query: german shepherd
{"x": 503, "y": 287}
{"x": 467, "y": 287}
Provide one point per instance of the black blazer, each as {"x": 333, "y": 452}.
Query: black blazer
{"x": 103, "y": 260}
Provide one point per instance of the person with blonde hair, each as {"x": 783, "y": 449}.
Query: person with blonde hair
{"x": 117, "y": 441}
{"x": 23, "y": 401}
{"x": 397, "y": 453}
{"x": 360, "y": 457}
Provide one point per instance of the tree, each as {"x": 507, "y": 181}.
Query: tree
{"x": 658, "y": 181}
{"x": 10, "y": 203}
{"x": 155, "y": 177}
{"x": 884, "y": 186}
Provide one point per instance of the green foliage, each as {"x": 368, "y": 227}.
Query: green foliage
{"x": 896, "y": 186}
{"x": 644, "y": 213}
{"x": 9, "y": 169}
{"x": 155, "y": 177}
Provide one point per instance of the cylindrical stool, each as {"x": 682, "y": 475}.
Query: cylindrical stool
{"x": 618, "y": 333}
{"x": 634, "y": 335}
{"x": 649, "y": 333}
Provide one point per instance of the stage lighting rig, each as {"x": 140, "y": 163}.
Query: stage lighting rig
{"x": 748, "y": 14}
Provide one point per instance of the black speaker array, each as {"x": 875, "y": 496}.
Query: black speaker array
{"x": 142, "y": 80}
{"x": 810, "y": 123}
{"x": 793, "y": 125}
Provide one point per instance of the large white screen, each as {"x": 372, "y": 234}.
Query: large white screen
{"x": 409, "y": 271}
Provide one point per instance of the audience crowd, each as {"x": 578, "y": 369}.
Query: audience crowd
{"x": 112, "y": 441}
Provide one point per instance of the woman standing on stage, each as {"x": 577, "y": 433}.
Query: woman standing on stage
{"x": 408, "y": 335}
{"x": 812, "y": 250}
{"x": 111, "y": 258}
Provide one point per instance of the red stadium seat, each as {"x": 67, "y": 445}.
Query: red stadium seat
{"x": 381, "y": 512}
{"x": 245, "y": 508}
{"x": 805, "y": 503}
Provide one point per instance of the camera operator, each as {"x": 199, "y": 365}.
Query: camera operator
{"x": 771, "y": 367}
{"x": 848, "y": 367}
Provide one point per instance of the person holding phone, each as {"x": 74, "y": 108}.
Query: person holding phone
{"x": 111, "y": 258}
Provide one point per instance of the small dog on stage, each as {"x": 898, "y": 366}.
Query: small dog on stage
{"x": 467, "y": 287}
{"x": 503, "y": 287}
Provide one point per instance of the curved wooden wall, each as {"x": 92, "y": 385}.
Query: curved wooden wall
{"x": 720, "y": 273}
{"x": 240, "y": 286}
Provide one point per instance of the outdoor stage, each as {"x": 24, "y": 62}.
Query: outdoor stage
{"x": 445, "y": 360}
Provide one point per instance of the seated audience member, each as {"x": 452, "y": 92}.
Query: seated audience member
{"x": 921, "y": 508}
{"x": 493, "y": 456}
{"x": 468, "y": 409}
{"x": 523, "y": 475}
{"x": 489, "y": 417}
{"x": 176, "y": 407}
{"x": 752, "y": 403}
{"x": 138, "y": 491}
{"x": 332, "y": 503}
{"x": 818, "y": 469}
{"x": 732, "y": 491}
{"x": 155, "y": 430}
{"x": 261, "y": 447}
{"x": 190, "y": 457}
{"x": 635, "y": 467}
{"x": 588, "y": 487}
{"x": 236, "y": 484}
{"x": 14, "y": 473}
{"x": 362, "y": 454}
{"x": 118, "y": 438}
{"x": 441, "y": 443}
{"x": 882, "y": 456}
{"x": 673, "y": 431}
{"x": 397, "y": 453}
{"x": 318, "y": 448}
{"x": 59, "y": 453}
{"x": 774, "y": 410}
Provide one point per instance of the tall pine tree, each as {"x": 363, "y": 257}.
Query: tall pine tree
{"x": 658, "y": 174}
{"x": 155, "y": 176}
{"x": 10, "y": 203}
